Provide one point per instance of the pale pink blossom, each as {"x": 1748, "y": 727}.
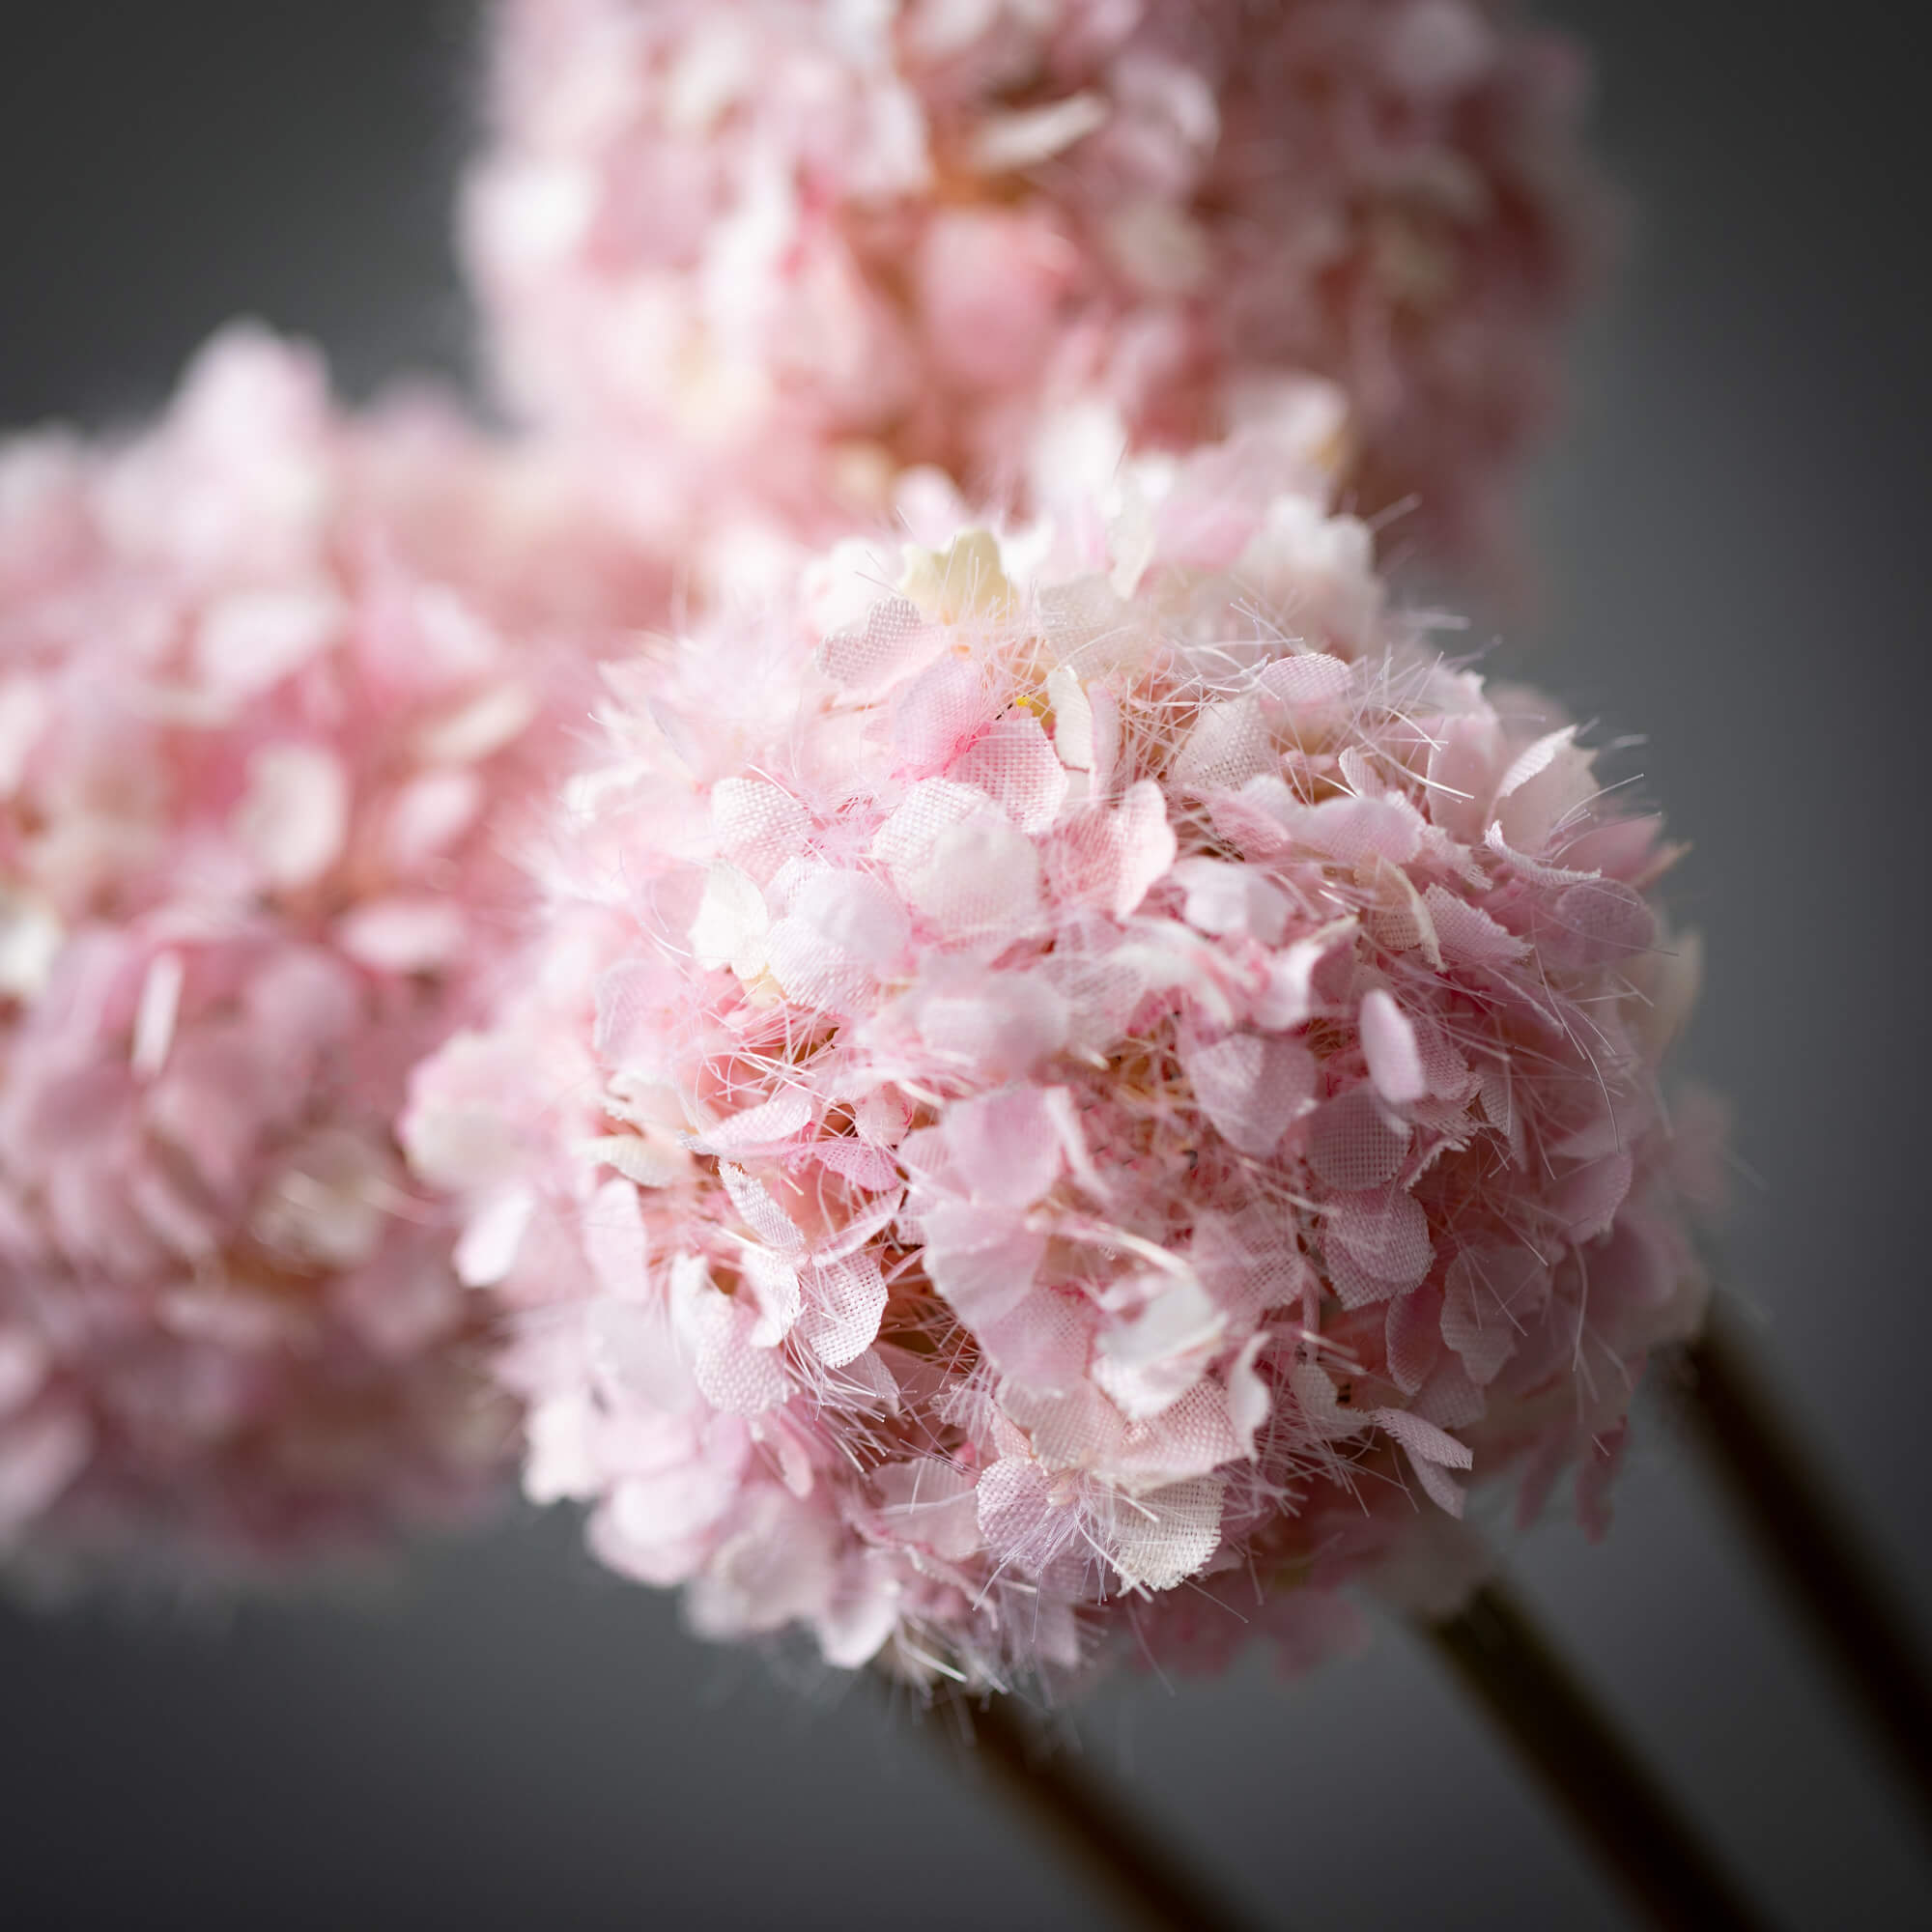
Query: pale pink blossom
{"x": 1075, "y": 1064}
{"x": 796, "y": 246}
{"x": 278, "y": 690}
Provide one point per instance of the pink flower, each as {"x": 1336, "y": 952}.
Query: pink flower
{"x": 277, "y": 692}
{"x": 797, "y": 246}
{"x": 1072, "y": 1064}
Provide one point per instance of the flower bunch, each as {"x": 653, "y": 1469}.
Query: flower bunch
{"x": 1091, "y": 1061}
{"x": 274, "y": 688}
{"x": 798, "y": 245}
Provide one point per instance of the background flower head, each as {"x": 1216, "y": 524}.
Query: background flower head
{"x": 276, "y": 686}
{"x": 802, "y": 245}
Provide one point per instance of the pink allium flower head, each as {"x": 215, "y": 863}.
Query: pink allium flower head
{"x": 273, "y": 689}
{"x": 1077, "y": 1063}
{"x": 811, "y": 242}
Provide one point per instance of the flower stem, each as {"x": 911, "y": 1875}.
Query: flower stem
{"x": 1558, "y": 1728}
{"x": 1806, "y": 1536}
{"x": 1148, "y": 1882}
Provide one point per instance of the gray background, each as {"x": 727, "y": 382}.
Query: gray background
{"x": 1732, "y": 538}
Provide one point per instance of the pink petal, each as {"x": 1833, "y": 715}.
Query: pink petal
{"x": 1251, "y": 1087}
{"x": 843, "y": 1304}
{"x": 1388, "y": 1041}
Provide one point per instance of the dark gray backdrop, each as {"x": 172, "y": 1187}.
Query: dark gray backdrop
{"x": 1733, "y": 539}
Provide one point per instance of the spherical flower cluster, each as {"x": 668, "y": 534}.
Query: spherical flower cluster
{"x": 273, "y": 687}
{"x": 801, "y": 244}
{"x": 1092, "y": 1062}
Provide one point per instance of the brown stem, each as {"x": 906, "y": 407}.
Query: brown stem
{"x": 1806, "y": 1536}
{"x": 1556, "y": 1727}
{"x": 1149, "y": 1884}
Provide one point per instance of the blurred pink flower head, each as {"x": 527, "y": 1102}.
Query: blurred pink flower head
{"x": 799, "y": 245}
{"x": 1079, "y": 1078}
{"x": 276, "y": 689}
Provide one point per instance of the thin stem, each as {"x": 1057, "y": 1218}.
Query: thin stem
{"x": 1558, "y": 1728}
{"x": 1806, "y": 1536}
{"x": 1149, "y": 1883}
